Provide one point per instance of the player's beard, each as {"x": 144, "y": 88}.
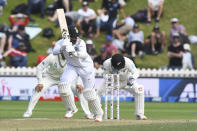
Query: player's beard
{"x": 73, "y": 40}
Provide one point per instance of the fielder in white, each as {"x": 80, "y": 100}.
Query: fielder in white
{"x": 79, "y": 63}
{"x": 48, "y": 75}
{"x": 127, "y": 75}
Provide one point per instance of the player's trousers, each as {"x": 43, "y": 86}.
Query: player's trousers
{"x": 48, "y": 82}
{"x": 88, "y": 79}
{"x": 87, "y": 75}
{"x": 136, "y": 89}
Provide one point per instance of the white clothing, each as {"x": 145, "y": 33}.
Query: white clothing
{"x": 138, "y": 36}
{"x": 187, "y": 60}
{"x": 74, "y": 15}
{"x": 48, "y": 74}
{"x": 122, "y": 2}
{"x": 51, "y": 67}
{"x": 127, "y": 76}
{"x": 87, "y": 14}
{"x": 81, "y": 65}
{"x": 129, "y": 71}
{"x": 118, "y": 43}
{"x": 129, "y": 21}
{"x": 82, "y": 60}
{"x": 155, "y": 3}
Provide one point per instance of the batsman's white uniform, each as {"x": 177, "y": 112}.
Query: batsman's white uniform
{"x": 127, "y": 76}
{"x": 80, "y": 64}
{"x": 48, "y": 74}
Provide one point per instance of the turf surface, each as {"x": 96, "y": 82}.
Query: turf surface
{"x": 48, "y": 116}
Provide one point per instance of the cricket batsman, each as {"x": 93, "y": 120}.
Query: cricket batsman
{"x": 128, "y": 74}
{"x": 79, "y": 63}
{"x": 48, "y": 75}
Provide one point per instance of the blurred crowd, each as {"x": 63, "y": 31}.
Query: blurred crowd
{"x": 121, "y": 35}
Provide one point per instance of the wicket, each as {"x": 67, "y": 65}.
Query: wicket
{"x": 111, "y": 84}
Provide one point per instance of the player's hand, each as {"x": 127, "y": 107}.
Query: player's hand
{"x": 70, "y": 48}
{"x": 79, "y": 88}
{"x": 63, "y": 48}
{"x": 39, "y": 87}
{"x": 131, "y": 81}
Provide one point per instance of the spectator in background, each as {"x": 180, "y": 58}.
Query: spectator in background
{"x": 36, "y": 6}
{"x": 17, "y": 20}
{"x": 90, "y": 49}
{"x": 125, "y": 27}
{"x": 155, "y": 8}
{"x": 20, "y": 40}
{"x": 18, "y": 58}
{"x": 89, "y": 22}
{"x": 111, "y": 7}
{"x": 72, "y": 18}
{"x": 109, "y": 47}
{"x": 65, "y": 4}
{"x": 101, "y": 22}
{"x": 177, "y": 28}
{"x": 136, "y": 41}
{"x": 50, "y": 50}
{"x": 175, "y": 53}
{"x": 98, "y": 61}
{"x": 2, "y": 4}
{"x": 188, "y": 58}
{"x": 157, "y": 40}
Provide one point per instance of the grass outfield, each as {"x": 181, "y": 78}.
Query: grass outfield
{"x": 48, "y": 116}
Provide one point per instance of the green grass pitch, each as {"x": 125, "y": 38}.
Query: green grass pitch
{"x": 48, "y": 116}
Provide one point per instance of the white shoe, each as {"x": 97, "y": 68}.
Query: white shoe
{"x": 69, "y": 114}
{"x": 99, "y": 118}
{"x": 89, "y": 116}
{"x": 141, "y": 117}
{"x": 27, "y": 114}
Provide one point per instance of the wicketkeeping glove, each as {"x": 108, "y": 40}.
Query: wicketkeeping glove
{"x": 131, "y": 81}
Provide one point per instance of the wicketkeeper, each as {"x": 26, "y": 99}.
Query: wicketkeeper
{"x": 48, "y": 75}
{"x": 128, "y": 74}
{"x": 79, "y": 63}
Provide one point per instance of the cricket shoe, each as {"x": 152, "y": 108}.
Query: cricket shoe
{"x": 27, "y": 114}
{"x": 141, "y": 117}
{"x": 70, "y": 113}
{"x": 98, "y": 118}
{"x": 89, "y": 116}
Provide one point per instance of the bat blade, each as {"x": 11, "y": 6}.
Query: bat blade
{"x": 63, "y": 24}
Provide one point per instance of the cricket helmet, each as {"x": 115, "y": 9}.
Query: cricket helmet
{"x": 73, "y": 31}
{"x": 118, "y": 61}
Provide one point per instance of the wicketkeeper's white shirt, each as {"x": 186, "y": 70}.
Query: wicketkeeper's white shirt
{"x": 128, "y": 70}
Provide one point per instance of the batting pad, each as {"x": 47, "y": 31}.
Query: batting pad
{"x": 139, "y": 100}
{"x": 93, "y": 101}
{"x": 67, "y": 96}
{"x": 65, "y": 88}
{"x": 89, "y": 94}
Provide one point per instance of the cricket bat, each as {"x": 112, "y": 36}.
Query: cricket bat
{"x": 63, "y": 26}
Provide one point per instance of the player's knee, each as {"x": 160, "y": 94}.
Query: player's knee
{"x": 64, "y": 88}
{"x": 89, "y": 94}
{"x": 139, "y": 90}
